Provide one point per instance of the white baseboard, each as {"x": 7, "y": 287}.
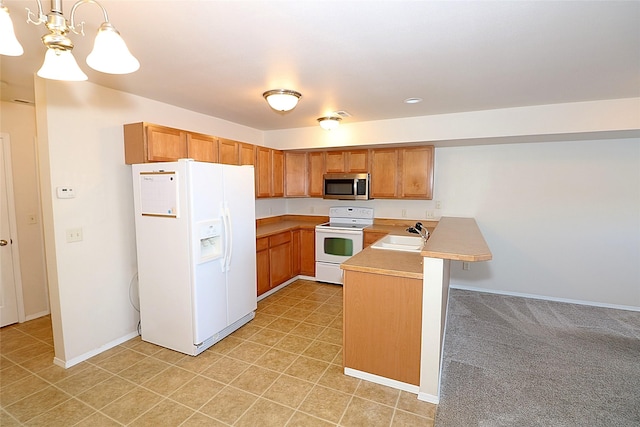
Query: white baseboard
{"x": 37, "y": 315}
{"x": 90, "y": 354}
{"x": 545, "y": 298}
{"x": 382, "y": 380}
{"x": 426, "y": 397}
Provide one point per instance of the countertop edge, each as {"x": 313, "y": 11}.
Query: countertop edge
{"x": 458, "y": 239}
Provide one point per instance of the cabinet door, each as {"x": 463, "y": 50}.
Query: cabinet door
{"x": 247, "y": 154}
{"x": 165, "y": 144}
{"x": 277, "y": 179}
{"x": 334, "y": 161}
{"x": 308, "y": 252}
{"x": 228, "y": 151}
{"x": 357, "y": 161}
{"x": 417, "y": 172}
{"x": 384, "y": 173}
{"x": 315, "y": 171}
{"x": 203, "y": 148}
{"x": 280, "y": 258}
{"x": 263, "y": 172}
{"x": 295, "y": 165}
{"x": 262, "y": 265}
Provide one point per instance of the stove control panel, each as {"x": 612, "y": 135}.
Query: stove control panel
{"x": 350, "y": 212}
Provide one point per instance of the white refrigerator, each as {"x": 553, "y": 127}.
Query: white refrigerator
{"x": 196, "y": 247}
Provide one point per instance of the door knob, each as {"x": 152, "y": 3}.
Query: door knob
{"x": 3, "y": 242}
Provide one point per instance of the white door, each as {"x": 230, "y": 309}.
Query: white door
{"x": 8, "y": 301}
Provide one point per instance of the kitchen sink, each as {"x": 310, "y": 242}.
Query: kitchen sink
{"x": 399, "y": 243}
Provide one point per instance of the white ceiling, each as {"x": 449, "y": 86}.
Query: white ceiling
{"x": 365, "y": 57}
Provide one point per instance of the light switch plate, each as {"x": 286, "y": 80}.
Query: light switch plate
{"x": 65, "y": 192}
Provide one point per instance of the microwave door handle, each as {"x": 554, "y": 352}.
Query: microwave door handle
{"x": 355, "y": 187}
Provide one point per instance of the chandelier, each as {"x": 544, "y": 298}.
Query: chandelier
{"x": 109, "y": 55}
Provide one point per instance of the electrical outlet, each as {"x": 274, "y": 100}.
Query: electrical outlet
{"x": 312, "y": 209}
{"x": 74, "y": 235}
{"x": 438, "y": 204}
{"x": 466, "y": 266}
{"x": 404, "y": 213}
{"x": 430, "y": 215}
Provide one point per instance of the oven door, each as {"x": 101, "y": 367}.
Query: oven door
{"x": 337, "y": 245}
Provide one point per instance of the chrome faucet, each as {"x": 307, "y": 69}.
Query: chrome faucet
{"x": 419, "y": 229}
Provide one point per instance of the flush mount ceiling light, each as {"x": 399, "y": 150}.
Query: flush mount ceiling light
{"x": 412, "y": 100}
{"x": 109, "y": 54}
{"x": 329, "y": 122}
{"x": 282, "y": 99}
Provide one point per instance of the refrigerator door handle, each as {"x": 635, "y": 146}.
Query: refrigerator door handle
{"x": 225, "y": 223}
{"x": 227, "y": 215}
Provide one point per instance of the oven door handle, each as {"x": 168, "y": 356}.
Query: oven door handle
{"x": 338, "y": 232}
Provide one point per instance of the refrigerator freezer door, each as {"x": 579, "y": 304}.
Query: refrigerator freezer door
{"x": 209, "y": 287}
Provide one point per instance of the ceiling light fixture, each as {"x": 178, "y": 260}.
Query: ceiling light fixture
{"x": 282, "y": 99}
{"x": 109, "y": 55}
{"x": 412, "y": 100}
{"x": 329, "y": 122}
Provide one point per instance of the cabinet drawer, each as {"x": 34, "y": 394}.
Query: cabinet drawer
{"x": 279, "y": 239}
{"x": 262, "y": 244}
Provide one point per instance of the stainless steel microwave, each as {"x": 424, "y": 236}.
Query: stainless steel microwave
{"x": 346, "y": 186}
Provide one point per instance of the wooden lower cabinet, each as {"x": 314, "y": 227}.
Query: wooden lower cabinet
{"x": 280, "y": 259}
{"x": 262, "y": 265}
{"x": 283, "y": 256}
{"x": 273, "y": 261}
{"x": 383, "y": 325}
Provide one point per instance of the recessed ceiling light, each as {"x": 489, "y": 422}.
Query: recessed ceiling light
{"x": 412, "y": 100}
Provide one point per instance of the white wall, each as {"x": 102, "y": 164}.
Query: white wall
{"x": 81, "y": 145}
{"x": 562, "y": 219}
{"x": 18, "y": 120}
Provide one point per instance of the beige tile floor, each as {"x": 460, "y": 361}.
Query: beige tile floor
{"x": 281, "y": 369}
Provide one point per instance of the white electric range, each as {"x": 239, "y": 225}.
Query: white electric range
{"x": 339, "y": 239}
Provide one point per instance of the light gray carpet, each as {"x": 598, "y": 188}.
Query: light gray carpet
{"x": 512, "y": 361}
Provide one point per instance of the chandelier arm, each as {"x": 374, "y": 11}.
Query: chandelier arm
{"x": 41, "y": 16}
{"x": 73, "y": 12}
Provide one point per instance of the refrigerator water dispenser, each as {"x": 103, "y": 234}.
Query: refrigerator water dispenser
{"x": 210, "y": 238}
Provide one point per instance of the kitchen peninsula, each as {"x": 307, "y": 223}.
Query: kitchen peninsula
{"x": 395, "y": 308}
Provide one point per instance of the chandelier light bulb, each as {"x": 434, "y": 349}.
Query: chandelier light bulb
{"x": 9, "y": 44}
{"x": 61, "y": 65}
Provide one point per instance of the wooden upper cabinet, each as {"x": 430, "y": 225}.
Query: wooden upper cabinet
{"x": 334, "y": 161}
{"x": 295, "y": 175}
{"x": 228, "y": 151}
{"x": 347, "y": 161}
{"x": 269, "y": 172}
{"x": 203, "y": 148}
{"x": 277, "y": 178}
{"x": 315, "y": 173}
{"x": 247, "y": 154}
{"x": 263, "y": 172}
{"x": 144, "y": 142}
{"x": 416, "y": 181}
{"x": 357, "y": 161}
{"x": 385, "y": 164}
